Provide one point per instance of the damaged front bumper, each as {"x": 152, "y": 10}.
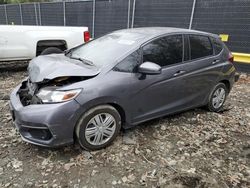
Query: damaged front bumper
{"x": 49, "y": 125}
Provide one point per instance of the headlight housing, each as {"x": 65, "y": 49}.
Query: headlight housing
{"x": 51, "y": 95}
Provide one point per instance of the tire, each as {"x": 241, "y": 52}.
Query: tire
{"x": 51, "y": 50}
{"x": 88, "y": 128}
{"x": 214, "y": 106}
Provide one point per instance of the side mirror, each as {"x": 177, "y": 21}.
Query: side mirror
{"x": 149, "y": 68}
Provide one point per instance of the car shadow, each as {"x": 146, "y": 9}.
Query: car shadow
{"x": 66, "y": 153}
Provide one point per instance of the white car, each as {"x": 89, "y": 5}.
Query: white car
{"x": 27, "y": 42}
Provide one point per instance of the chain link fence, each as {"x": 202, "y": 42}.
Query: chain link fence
{"x": 103, "y": 16}
{"x": 231, "y": 17}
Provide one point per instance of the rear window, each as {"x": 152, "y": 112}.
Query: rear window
{"x": 200, "y": 46}
{"x": 217, "y": 45}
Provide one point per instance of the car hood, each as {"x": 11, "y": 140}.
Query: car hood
{"x": 49, "y": 67}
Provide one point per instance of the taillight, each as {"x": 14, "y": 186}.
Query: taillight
{"x": 86, "y": 36}
{"x": 231, "y": 57}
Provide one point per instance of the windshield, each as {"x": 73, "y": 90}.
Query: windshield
{"x": 107, "y": 49}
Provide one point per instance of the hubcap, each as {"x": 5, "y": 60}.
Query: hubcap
{"x": 100, "y": 129}
{"x": 218, "y": 98}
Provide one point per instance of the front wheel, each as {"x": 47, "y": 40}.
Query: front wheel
{"x": 98, "y": 127}
{"x": 217, "y": 97}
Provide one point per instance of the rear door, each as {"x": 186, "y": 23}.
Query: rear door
{"x": 203, "y": 68}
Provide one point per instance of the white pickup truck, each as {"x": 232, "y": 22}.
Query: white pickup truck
{"x": 27, "y": 42}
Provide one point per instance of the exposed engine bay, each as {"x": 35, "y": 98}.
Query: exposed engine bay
{"x": 28, "y": 90}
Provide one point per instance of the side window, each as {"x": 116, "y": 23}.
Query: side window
{"x": 217, "y": 45}
{"x": 129, "y": 64}
{"x": 164, "y": 51}
{"x": 200, "y": 46}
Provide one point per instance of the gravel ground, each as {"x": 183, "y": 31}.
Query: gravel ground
{"x": 191, "y": 149}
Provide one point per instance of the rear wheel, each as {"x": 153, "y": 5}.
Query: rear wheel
{"x": 98, "y": 127}
{"x": 217, "y": 97}
{"x": 51, "y": 50}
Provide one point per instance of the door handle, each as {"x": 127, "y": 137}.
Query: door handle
{"x": 179, "y": 72}
{"x": 215, "y": 61}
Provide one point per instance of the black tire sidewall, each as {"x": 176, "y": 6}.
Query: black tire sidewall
{"x": 51, "y": 50}
{"x": 82, "y": 124}
{"x": 210, "y": 102}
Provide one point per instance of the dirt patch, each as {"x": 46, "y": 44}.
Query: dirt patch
{"x": 13, "y": 66}
{"x": 192, "y": 149}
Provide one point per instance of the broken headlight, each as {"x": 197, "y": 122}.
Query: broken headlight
{"x": 50, "y": 95}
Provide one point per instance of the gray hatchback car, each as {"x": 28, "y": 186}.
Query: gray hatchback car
{"x": 120, "y": 80}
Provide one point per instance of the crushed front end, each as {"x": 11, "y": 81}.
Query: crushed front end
{"x": 27, "y": 93}
{"x": 49, "y": 125}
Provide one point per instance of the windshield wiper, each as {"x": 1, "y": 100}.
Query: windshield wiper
{"x": 66, "y": 52}
{"x": 85, "y": 61}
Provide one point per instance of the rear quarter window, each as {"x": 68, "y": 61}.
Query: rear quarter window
{"x": 217, "y": 45}
{"x": 200, "y": 46}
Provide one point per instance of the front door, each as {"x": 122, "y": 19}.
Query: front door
{"x": 163, "y": 93}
